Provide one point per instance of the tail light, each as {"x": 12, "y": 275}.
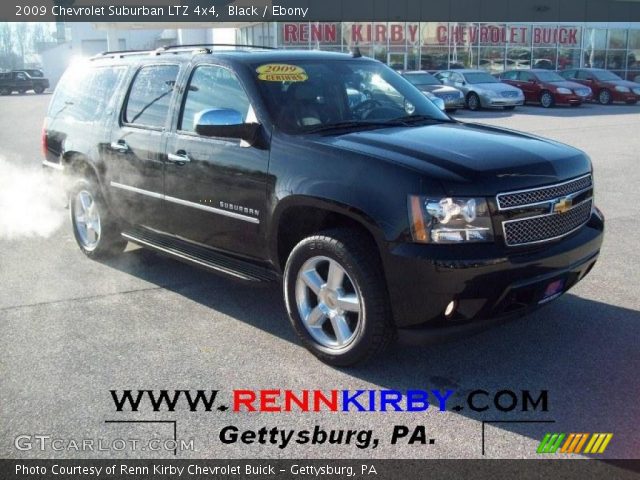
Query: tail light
{"x": 43, "y": 139}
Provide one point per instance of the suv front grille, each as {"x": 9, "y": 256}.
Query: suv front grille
{"x": 524, "y": 198}
{"x": 546, "y": 227}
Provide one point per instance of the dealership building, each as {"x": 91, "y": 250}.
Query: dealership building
{"x": 441, "y": 45}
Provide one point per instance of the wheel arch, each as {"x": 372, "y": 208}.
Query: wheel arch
{"x": 299, "y": 216}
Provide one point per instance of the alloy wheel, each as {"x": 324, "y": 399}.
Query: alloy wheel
{"x": 86, "y": 219}
{"x": 328, "y": 302}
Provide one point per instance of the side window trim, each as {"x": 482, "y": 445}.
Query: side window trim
{"x": 185, "y": 92}
{"x": 125, "y": 101}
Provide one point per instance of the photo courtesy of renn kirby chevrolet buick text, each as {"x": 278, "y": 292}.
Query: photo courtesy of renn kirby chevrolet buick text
{"x": 330, "y": 173}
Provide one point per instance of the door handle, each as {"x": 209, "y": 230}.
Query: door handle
{"x": 121, "y": 146}
{"x": 180, "y": 157}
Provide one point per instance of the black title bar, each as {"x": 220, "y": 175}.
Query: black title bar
{"x": 241, "y": 11}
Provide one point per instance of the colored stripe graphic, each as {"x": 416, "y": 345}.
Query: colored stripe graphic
{"x": 550, "y": 443}
{"x": 574, "y": 443}
{"x": 598, "y": 442}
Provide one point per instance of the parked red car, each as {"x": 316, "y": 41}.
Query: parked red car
{"x": 546, "y": 88}
{"x": 607, "y": 86}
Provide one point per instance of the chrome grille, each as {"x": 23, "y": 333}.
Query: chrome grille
{"x": 534, "y": 196}
{"x": 547, "y": 227}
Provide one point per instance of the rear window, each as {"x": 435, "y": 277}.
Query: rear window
{"x": 150, "y": 95}
{"x": 85, "y": 93}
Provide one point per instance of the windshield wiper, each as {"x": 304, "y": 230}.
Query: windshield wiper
{"x": 355, "y": 124}
{"x": 413, "y": 119}
{"x": 346, "y": 125}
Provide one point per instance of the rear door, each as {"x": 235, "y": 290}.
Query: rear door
{"x": 135, "y": 152}
{"x": 216, "y": 195}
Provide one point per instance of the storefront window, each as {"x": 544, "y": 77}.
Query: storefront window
{"x": 544, "y": 58}
{"x": 617, "y": 39}
{"x": 568, "y": 58}
{"x": 595, "y": 39}
{"x": 492, "y": 59}
{"x": 463, "y": 39}
{"x": 434, "y": 58}
{"x": 518, "y": 58}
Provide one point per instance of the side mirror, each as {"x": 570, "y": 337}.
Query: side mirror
{"x": 226, "y": 123}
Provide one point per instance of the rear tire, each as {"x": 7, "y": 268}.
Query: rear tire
{"x": 94, "y": 227}
{"x": 38, "y": 89}
{"x": 547, "y": 100}
{"x": 605, "y": 97}
{"x": 337, "y": 298}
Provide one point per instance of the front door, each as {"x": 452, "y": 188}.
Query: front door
{"x": 134, "y": 155}
{"x": 215, "y": 188}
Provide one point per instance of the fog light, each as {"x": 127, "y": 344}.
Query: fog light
{"x": 450, "y": 308}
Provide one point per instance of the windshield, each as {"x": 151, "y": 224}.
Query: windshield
{"x": 312, "y": 95}
{"x": 550, "y": 77}
{"x": 422, "y": 79}
{"x": 480, "y": 77}
{"x": 606, "y": 76}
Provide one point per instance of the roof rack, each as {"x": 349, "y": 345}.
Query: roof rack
{"x": 203, "y": 47}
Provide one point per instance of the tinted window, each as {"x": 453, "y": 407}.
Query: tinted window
{"x": 568, "y": 74}
{"x": 150, "y": 95}
{"x": 212, "y": 87}
{"x": 583, "y": 75}
{"x": 422, "y": 79}
{"x": 509, "y": 75}
{"x": 85, "y": 93}
{"x": 526, "y": 76}
{"x": 480, "y": 77}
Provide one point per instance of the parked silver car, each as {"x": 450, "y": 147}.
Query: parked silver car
{"x": 427, "y": 83}
{"x": 482, "y": 90}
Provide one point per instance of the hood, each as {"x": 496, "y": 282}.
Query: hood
{"x": 468, "y": 159}
{"x": 495, "y": 87}
{"x": 567, "y": 84}
{"x": 437, "y": 89}
{"x": 623, "y": 83}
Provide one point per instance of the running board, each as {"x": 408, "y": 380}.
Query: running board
{"x": 198, "y": 255}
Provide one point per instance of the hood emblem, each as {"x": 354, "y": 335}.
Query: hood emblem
{"x": 562, "y": 205}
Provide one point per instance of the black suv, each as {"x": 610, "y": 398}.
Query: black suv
{"x": 329, "y": 172}
{"x": 22, "y": 81}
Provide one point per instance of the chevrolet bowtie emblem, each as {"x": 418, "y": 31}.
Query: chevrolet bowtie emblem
{"x": 562, "y": 205}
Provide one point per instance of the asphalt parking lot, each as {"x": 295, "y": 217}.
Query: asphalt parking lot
{"x": 73, "y": 329}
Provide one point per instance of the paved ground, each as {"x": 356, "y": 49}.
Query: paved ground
{"x": 72, "y": 329}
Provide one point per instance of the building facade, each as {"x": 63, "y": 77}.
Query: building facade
{"x": 494, "y": 47}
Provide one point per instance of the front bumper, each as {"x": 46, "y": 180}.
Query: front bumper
{"x": 629, "y": 97}
{"x": 571, "y": 99}
{"x": 451, "y": 102}
{"x": 486, "y": 282}
{"x": 501, "y": 102}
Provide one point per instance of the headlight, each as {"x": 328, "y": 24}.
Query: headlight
{"x": 449, "y": 220}
{"x": 563, "y": 91}
{"x": 622, "y": 89}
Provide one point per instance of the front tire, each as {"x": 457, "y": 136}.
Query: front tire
{"x": 94, "y": 227}
{"x": 336, "y": 297}
{"x": 473, "y": 102}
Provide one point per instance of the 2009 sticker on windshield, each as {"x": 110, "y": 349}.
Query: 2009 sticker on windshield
{"x": 281, "y": 72}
